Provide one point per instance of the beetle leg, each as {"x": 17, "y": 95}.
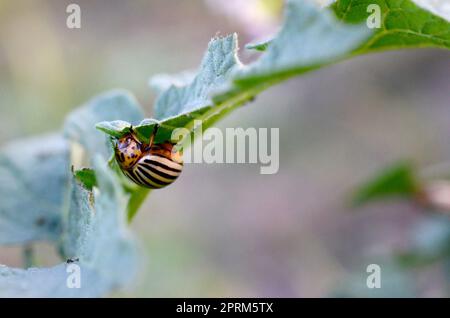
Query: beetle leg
{"x": 152, "y": 137}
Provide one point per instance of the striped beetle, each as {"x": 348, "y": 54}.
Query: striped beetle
{"x": 149, "y": 165}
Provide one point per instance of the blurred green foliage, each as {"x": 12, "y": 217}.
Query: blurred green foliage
{"x": 395, "y": 181}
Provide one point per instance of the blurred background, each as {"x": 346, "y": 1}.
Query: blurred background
{"x": 225, "y": 230}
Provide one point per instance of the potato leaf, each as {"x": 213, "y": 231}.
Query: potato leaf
{"x": 95, "y": 239}
{"x": 223, "y": 83}
{"x": 403, "y": 24}
{"x": 119, "y": 107}
{"x": 84, "y": 214}
{"x": 30, "y": 211}
{"x": 310, "y": 38}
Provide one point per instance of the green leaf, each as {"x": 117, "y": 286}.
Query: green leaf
{"x": 310, "y": 38}
{"x": 297, "y": 47}
{"x": 295, "y": 50}
{"x": 145, "y": 129}
{"x": 396, "y": 181}
{"x": 162, "y": 82}
{"x": 95, "y": 235}
{"x": 258, "y": 46}
{"x": 223, "y": 83}
{"x": 86, "y": 215}
{"x": 404, "y": 24}
{"x": 218, "y": 63}
{"x": 86, "y": 177}
{"x": 99, "y": 221}
{"x": 116, "y": 128}
{"x": 34, "y": 173}
{"x": 112, "y": 106}
{"x": 179, "y": 106}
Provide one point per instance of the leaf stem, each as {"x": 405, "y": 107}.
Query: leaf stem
{"x": 137, "y": 198}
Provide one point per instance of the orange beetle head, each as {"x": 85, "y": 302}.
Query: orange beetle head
{"x": 128, "y": 151}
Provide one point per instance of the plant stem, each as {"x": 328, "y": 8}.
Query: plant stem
{"x": 135, "y": 202}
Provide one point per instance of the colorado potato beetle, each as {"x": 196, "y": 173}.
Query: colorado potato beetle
{"x": 149, "y": 165}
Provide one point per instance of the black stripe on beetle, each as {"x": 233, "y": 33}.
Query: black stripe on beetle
{"x": 162, "y": 165}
